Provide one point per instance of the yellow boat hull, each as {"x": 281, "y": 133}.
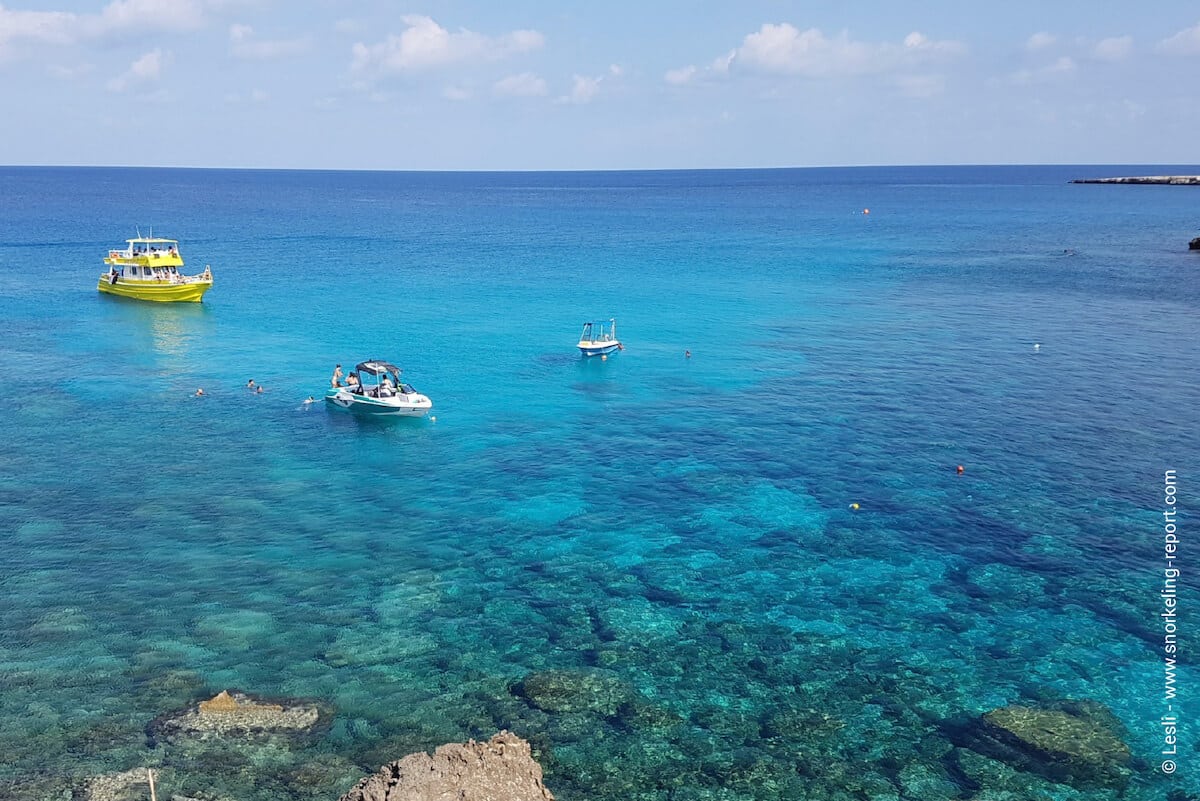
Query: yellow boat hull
{"x": 164, "y": 293}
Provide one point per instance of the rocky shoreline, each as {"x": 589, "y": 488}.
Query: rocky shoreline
{"x": 1172, "y": 180}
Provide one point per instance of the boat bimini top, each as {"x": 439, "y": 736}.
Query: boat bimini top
{"x": 377, "y": 368}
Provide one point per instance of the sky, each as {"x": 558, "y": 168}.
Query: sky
{"x": 542, "y": 85}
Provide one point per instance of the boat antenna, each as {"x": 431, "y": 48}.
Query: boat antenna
{"x": 138, "y": 228}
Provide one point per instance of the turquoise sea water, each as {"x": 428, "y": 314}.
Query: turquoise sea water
{"x": 679, "y": 529}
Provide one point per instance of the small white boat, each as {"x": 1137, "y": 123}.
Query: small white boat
{"x": 375, "y": 388}
{"x": 599, "y": 339}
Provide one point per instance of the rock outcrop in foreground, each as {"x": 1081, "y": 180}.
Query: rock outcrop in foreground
{"x": 502, "y": 769}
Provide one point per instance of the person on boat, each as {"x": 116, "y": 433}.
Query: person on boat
{"x": 336, "y": 380}
{"x": 352, "y": 383}
{"x": 386, "y": 387}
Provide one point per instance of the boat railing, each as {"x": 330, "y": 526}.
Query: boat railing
{"x": 168, "y": 278}
{"x": 149, "y": 258}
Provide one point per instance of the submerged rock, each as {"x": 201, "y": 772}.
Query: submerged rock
{"x": 231, "y": 713}
{"x": 597, "y": 691}
{"x": 502, "y": 769}
{"x": 129, "y": 785}
{"x": 1194, "y": 244}
{"x": 1078, "y": 743}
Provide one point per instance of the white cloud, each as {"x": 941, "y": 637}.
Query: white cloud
{"x": 1115, "y": 48}
{"x": 526, "y": 84}
{"x": 426, "y": 45}
{"x": 43, "y": 27}
{"x": 1059, "y": 68}
{"x": 720, "y": 65}
{"x": 583, "y": 89}
{"x": 917, "y": 43}
{"x": 785, "y": 49}
{"x": 119, "y": 16}
{"x": 1040, "y": 41}
{"x": 146, "y": 69}
{"x": 1184, "y": 43}
{"x": 680, "y": 76}
{"x": 719, "y": 68}
{"x": 178, "y": 15}
{"x": 68, "y": 73}
{"x": 244, "y": 45}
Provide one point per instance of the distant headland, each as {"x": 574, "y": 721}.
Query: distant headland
{"x": 1179, "y": 180}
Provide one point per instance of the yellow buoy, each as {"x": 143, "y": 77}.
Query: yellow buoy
{"x": 854, "y": 506}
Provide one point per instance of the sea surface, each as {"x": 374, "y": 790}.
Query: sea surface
{"x": 751, "y": 573}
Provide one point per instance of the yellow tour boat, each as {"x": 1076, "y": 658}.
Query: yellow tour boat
{"x": 151, "y": 269}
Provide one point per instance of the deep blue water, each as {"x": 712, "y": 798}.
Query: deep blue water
{"x": 680, "y": 526}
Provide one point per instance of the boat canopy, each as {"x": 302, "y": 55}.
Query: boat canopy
{"x": 377, "y": 368}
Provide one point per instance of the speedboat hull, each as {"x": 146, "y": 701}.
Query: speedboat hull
{"x": 165, "y": 293}
{"x": 399, "y": 405}
{"x": 598, "y": 348}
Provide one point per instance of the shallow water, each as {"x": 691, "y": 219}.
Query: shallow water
{"x": 681, "y": 527}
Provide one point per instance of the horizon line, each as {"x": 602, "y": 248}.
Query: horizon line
{"x": 499, "y": 171}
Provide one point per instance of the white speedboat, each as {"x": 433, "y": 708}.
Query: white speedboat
{"x": 599, "y": 339}
{"x": 375, "y": 388}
